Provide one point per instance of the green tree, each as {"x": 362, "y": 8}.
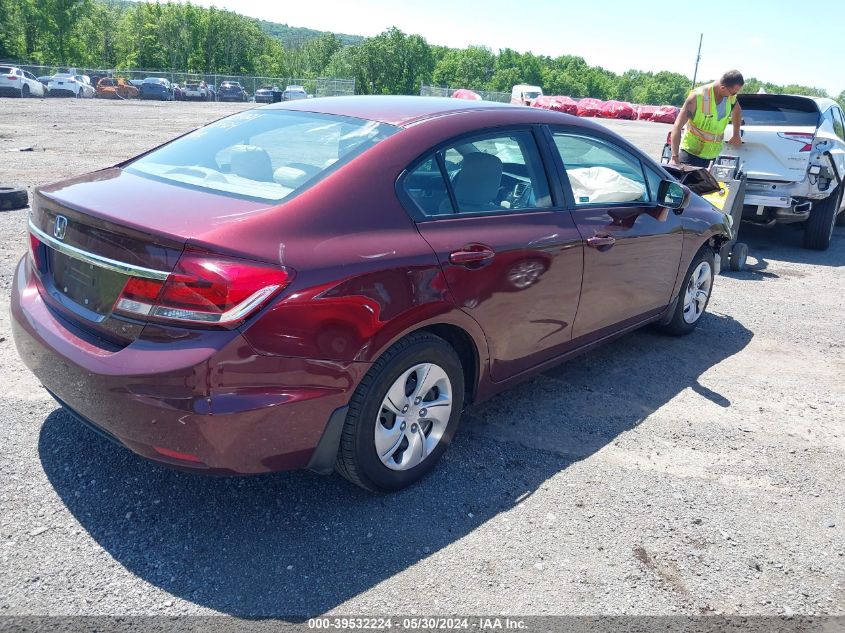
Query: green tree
{"x": 470, "y": 67}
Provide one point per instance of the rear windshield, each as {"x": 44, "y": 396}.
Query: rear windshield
{"x": 263, "y": 154}
{"x": 5, "y": 70}
{"x": 779, "y": 111}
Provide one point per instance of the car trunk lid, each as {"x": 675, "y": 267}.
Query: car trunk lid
{"x": 777, "y": 136}
{"x": 774, "y": 153}
{"x": 98, "y": 231}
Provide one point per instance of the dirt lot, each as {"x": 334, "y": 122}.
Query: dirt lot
{"x": 654, "y": 476}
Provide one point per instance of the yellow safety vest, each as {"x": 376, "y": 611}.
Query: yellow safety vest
{"x": 705, "y": 132}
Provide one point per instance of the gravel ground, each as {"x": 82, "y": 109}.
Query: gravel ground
{"x": 654, "y": 476}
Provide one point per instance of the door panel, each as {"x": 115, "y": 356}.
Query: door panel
{"x": 526, "y": 295}
{"x": 633, "y": 247}
{"x": 636, "y": 274}
{"x": 511, "y": 260}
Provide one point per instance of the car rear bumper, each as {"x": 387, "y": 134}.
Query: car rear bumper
{"x": 10, "y": 91}
{"x": 62, "y": 92}
{"x": 207, "y": 402}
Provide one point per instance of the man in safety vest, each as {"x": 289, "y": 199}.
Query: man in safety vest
{"x": 706, "y": 113}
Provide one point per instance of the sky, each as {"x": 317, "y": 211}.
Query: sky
{"x": 780, "y": 41}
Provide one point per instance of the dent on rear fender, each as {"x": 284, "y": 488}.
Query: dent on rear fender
{"x": 350, "y": 319}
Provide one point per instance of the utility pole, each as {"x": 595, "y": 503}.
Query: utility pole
{"x": 697, "y": 59}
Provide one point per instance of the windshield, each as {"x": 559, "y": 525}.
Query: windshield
{"x": 264, "y": 154}
{"x": 530, "y": 95}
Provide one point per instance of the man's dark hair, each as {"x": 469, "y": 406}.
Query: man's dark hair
{"x": 732, "y": 78}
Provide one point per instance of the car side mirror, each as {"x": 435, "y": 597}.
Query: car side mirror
{"x": 673, "y": 195}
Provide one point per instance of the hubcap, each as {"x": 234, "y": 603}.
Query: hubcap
{"x": 413, "y": 416}
{"x": 697, "y": 292}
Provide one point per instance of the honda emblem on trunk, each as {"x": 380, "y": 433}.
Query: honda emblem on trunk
{"x": 61, "y": 227}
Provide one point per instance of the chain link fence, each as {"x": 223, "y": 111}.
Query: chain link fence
{"x": 487, "y": 95}
{"x": 318, "y": 87}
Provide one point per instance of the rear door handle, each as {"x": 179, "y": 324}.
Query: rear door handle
{"x": 471, "y": 254}
{"x": 601, "y": 241}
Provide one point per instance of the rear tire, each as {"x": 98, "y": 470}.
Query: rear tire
{"x": 381, "y": 448}
{"x": 694, "y": 295}
{"x": 818, "y": 229}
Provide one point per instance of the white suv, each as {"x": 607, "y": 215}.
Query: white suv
{"x": 793, "y": 149}
{"x": 15, "y": 82}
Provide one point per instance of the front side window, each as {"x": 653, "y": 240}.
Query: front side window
{"x": 600, "y": 173}
{"x": 494, "y": 173}
{"x": 264, "y": 154}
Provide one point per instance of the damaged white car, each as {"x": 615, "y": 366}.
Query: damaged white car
{"x": 793, "y": 152}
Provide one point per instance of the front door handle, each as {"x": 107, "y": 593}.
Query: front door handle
{"x": 471, "y": 254}
{"x": 601, "y": 241}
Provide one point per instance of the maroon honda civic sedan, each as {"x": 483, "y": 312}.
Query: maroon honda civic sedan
{"x": 328, "y": 283}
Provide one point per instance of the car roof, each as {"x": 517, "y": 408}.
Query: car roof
{"x": 393, "y": 110}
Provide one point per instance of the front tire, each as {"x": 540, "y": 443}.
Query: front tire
{"x": 403, "y": 415}
{"x": 694, "y": 295}
{"x": 25, "y": 91}
{"x": 818, "y": 229}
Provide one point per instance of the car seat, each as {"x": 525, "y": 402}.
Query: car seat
{"x": 249, "y": 161}
{"x": 477, "y": 184}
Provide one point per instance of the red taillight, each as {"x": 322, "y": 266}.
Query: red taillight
{"x": 36, "y": 251}
{"x": 800, "y": 137}
{"x": 204, "y": 289}
{"x": 12, "y": 77}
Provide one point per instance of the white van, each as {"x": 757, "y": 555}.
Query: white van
{"x": 523, "y": 94}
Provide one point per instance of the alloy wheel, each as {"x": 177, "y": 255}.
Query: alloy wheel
{"x": 413, "y": 416}
{"x": 697, "y": 292}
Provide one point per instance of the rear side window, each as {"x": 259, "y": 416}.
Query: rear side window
{"x": 495, "y": 173}
{"x": 838, "y": 124}
{"x": 601, "y": 173}
{"x": 782, "y": 111}
{"x": 426, "y": 186}
{"x": 264, "y": 154}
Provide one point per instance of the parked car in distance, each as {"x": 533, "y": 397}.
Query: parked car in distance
{"x": 115, "y": 88}
{"x": 294, "y": 93}
{"x": 136, "y": 82}
{"x": 69, "y": 85}
{"x": 178, "y": 92}
{"x": 265, "y": 94}
{"x": 157, "y": 88}
{"x": 340, "y": 308}
{"x": 195, "y": 90}
{"x": 793, "y": 152}
{"x": 16, "y": 82}
{"x": 232, "y": 91}
{"x": 212, "y": 92}
{"x": 44, "y": 80}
